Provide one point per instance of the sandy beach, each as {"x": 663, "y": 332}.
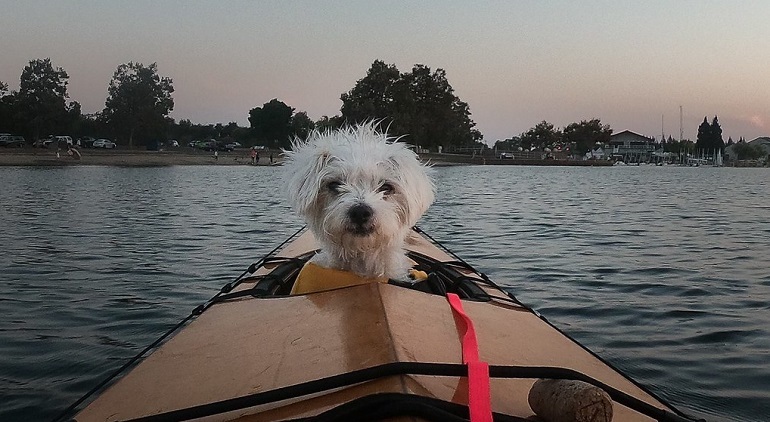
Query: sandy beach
{"x": 129, "y": 158}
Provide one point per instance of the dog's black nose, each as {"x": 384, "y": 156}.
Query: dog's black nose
{"x": 360, "y": 214}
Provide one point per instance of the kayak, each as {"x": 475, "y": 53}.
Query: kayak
{"x": 453, "y": 346}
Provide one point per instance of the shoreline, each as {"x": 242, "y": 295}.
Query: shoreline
{"x": 182, "y": 157}
{"x": 129, "y": 158}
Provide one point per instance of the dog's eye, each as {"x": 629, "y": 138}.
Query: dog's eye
{"x": 334, "y": 186}
{"x": 386, "y": 189}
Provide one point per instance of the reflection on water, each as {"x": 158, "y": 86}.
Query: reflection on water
{"x": 661, "y": 270}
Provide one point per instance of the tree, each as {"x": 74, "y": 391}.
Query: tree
{"x": 373, "y": 96}
{"x": 542, "y": 136}
{"x": 715, "y": 137}
{"x": 709, "y": 137}
{"x": 746, "y": 151}
{"x": 40, "y": 104}
{"x": 229, "y": 130}
{"x": 586, "y": 134}
{"x": 301, "y": 125}
{"x": 6, "y": 107}
{"x": 420, "y": 104}
{"x": 438, "y": 117}
{"x": 138, "y": 101}
{"x": 91, "y": 125}
{"x": 510, "y": 144}
{"x": 271, "y": 123}
{"x": 327, "y": 123}
{"x": 74, "y": 117}
{"x": 704, "y": 133}
{"x": 243, "y": 135}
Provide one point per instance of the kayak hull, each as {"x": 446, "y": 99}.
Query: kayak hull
{"x": 250, "y": 345}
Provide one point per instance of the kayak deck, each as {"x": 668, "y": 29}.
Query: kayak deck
{"x": 247, "y": 345}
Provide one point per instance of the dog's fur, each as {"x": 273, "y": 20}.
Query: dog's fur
{"x": 360, "y": 192}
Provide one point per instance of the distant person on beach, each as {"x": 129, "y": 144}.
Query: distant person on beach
{"x": 216, "y": 155}
{"x": 271, "y": 158}
{"x": 253, "y": 156}
{"x": 73, "y": 152}
{"x": 257, "y": 159}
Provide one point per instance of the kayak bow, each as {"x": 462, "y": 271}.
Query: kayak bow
{"x": 371, "y": 351}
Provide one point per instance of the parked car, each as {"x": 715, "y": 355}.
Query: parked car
{"x": 17, "y": 141}
{"x": 506, "y": 156}
{"x": 206, "y": 145}
{"x": 104, "y": 143}
{"x": 173, "y": 143}
{"x": 225, "y": 147}
{"x": 63, "y": 141}
{"x": 212, "y": 145}
{"x": 42, "y": 143}
{"x": 155, "y": 145}
{"x": 87, "y": 142}
{"x": 7, "y": 140}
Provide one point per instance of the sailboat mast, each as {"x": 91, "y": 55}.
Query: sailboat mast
{"x": 662, "y": 132}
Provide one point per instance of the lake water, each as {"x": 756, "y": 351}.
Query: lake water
{"x": 663, "y": 271}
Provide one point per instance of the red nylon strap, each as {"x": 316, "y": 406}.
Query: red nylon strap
{"x": 479, "y": 396}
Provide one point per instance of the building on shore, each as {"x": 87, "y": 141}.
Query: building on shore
{"x": 631, "y": 147}
{"x": 762, "y": 142}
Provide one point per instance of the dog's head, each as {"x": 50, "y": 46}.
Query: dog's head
{"x": 357, "y": 186}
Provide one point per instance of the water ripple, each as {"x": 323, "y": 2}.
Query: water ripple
{"x": 667, "y": 283}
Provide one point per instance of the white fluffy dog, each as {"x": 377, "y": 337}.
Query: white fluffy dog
{"x": 360, "y": 192}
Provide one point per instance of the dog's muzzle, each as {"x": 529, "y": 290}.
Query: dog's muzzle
{"x": 360, "y": 216}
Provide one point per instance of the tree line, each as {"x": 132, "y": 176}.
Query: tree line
{"x": 420, "y": 105}
{"x": 586, "y": 135}
{"x": 137, "y": 105}
{"x": 577, "y": 138}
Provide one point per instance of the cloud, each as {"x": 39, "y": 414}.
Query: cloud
{"x": 757, "y": 121}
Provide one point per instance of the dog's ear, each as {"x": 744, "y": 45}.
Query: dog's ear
{"x": 416, "y": 181}
{"x": 305, "y": 167}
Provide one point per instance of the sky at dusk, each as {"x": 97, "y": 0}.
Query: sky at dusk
{"x": 631, "y": 64}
